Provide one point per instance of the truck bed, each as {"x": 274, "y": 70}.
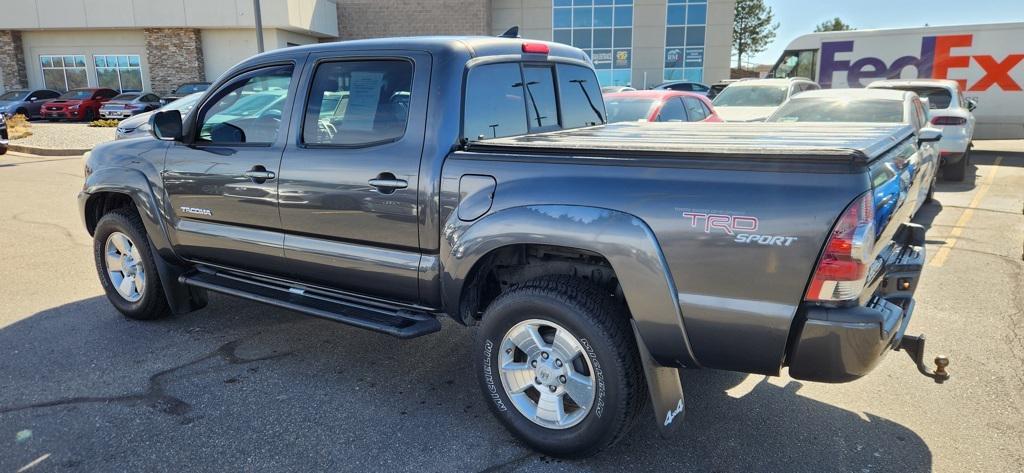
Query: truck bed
{"x": 855, "y": 143}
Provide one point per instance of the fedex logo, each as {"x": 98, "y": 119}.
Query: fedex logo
{"x": 936, "y": 60}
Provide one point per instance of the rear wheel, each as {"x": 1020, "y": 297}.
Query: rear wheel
{"x": 126, "y": 267}
{"x": 559, "y": 366}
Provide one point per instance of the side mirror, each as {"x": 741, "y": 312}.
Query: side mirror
{"x": 928, "y": 135}
{"x": 971, "y": 105}
{"x": 166, "y": 125}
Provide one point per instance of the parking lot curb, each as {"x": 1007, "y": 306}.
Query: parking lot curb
{"x": 46, "y": 151}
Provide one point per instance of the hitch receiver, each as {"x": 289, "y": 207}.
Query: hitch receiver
{"x": 914, "y": 346}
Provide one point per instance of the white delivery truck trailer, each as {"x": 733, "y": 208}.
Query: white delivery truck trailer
{"x": 987, "y": 61}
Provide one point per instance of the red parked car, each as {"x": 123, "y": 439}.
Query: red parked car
{"x": 659, "y": 106}
{"x": 78, "y": 104}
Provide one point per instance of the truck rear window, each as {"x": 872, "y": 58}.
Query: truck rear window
{"x": 509, "y": 99}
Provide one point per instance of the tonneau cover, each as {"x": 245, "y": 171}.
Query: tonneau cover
{"x": 858, "y": 141}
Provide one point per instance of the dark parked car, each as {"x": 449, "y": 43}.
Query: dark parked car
{"x": 78, "y": 104}
{"x": 187, "y": 88}
{"x": 26, "y": 102}
{"x": 129, "y": 104}
{"x": 392, "y": 182}
{"x": 684, "y": 86}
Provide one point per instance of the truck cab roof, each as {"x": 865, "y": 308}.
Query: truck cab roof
{"x": 459, "y": 46}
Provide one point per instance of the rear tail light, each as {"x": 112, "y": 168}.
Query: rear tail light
{"x": 956, "y": 121}
{"x": 843, "y": 267}
{"x": 535, "y": 48}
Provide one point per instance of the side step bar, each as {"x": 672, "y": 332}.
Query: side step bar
{"x": 398, "y": 322}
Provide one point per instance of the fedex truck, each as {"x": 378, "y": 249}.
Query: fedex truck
{"x": 987, "y": 61}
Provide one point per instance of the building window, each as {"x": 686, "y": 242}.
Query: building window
{"x": 686, "y": 24}
{"x": 119, "y": 72}
{"x": 63, "y": 72}
{"x": 601, "y": 28}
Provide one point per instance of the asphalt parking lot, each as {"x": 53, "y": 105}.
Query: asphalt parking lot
{"x": 243, "y": 387}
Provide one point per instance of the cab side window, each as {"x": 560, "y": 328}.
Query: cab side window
{"x": 495, "y": 104}
{"x": 247, "y": 110}
{"x": 358, "y": 103}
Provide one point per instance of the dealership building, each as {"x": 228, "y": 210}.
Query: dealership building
{"x": 156, "y": 45}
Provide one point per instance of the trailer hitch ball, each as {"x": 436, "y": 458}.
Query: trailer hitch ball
{"x": 941, "y": 362}
{"x": 914, "y": 346}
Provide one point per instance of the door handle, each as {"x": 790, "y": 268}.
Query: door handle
{"x": 259, "y": 174}
{"x": 384, "y": 184}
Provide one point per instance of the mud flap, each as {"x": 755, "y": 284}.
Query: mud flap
{"x": 665, "y": 387}
{"x": 182, "y": 299}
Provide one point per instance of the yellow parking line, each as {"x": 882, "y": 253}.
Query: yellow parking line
{"x": 965, "y": 218}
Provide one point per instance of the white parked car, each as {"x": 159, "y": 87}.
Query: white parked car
{"x": 754, "y": 100}
{"x": 875, "y": 106}
{"x": 950, "y": 112}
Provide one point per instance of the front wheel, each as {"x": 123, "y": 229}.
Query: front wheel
{"x": 126, "y": 267}
{"x": 559, "y": 366}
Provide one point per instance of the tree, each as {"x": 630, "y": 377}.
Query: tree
{"x": 752, "y": 29}
{"x": 834, "y": 24}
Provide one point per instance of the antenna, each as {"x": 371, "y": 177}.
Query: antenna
{"x": 512, "y": 32}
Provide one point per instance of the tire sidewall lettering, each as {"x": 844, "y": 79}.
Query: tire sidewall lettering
{"x": 599, "y": 396}
{"x": 493, "y": 392}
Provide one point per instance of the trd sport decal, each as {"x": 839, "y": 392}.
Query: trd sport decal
{"x": 742, "y": 227}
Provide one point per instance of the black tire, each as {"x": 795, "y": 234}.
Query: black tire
{"x": 602, "y": 327}
{"x": 90, "y": 115}
{"x": 22, "y": 111}
{"x": 3, "y": 150}
{"x": 957, "y": 171}
{"x": 153, "y": 303}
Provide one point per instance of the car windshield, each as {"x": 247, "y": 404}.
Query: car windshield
{"x": 839, "y": 110}
{"x": 938, "y": 97}
{"x": 190, "y": 88}
{"x": 79, "y": 94}
{"x": 751, "y": 96}
{"x": 14, "y": 95}
{"x": 126, "y": 97}
{"x": 628, "y": 109}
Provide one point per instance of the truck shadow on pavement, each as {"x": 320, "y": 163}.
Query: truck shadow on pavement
{"x": 241, "y": 386}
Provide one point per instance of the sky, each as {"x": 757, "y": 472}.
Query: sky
{"x": 797, "y": 17}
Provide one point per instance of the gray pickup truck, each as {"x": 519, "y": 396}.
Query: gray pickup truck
{"x": 384, "y": 184}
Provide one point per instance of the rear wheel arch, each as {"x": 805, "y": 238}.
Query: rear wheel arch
{"x": 510, "y": 266}
{"x": 620, "y": 241}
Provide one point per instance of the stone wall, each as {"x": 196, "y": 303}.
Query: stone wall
{"x": 359, "y": 19}
{"x": 12, "y": 61}
{"x": 175, "y": 56}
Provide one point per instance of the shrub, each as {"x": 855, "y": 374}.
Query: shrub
{"x": 18, "y": 127}
{"x": 104, "y": 123}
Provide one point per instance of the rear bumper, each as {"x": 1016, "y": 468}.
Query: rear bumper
{"x": 841, "y": 344}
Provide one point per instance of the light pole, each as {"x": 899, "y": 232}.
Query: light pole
{"x": 259, "y": 25}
